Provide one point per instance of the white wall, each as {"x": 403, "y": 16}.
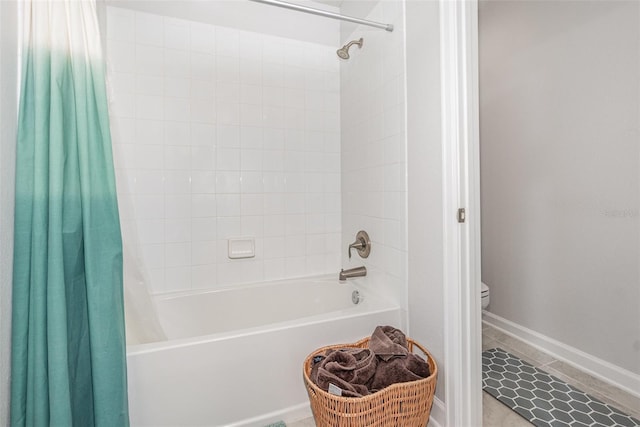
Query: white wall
{"x": 426, "y": 293}
{"x": 8, "y": 121}
{"x": 223, "y": 133}
{"x": 560, "y": 114}
{"x": 392, "y": 183}
{"x": 374, "y": 168}
{"x": 359, "y": 9}
{"x": 247, "y": 16}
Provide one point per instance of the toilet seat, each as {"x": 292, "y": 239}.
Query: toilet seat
{"x": 484, "y": 295}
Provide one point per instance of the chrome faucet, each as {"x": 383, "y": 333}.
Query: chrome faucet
{"x": 352, "y": 272}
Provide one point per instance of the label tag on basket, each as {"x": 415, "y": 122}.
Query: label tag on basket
{"x": 334, "y": 389}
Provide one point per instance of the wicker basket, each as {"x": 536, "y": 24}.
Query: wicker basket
{"x": 401, "y": 405}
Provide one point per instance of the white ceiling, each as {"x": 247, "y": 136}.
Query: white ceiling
{"x": 248, "y": 16}
{"x": 334, "y": 3}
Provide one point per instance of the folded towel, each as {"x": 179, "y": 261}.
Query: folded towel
{"x": 399, "y": 370}
{"x": 388, "y": 342}
{"x": 350, "y": 369}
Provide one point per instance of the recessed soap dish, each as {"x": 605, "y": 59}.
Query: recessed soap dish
{"x": 242, "y": 247}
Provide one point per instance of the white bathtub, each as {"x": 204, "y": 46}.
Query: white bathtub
{"x": 234, "y": 356}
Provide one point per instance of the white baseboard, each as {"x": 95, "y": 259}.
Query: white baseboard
{"x": 601, "y": 369}
{"x": 300, "y": 412}
{"x": 437, "y": 417}
{"x": 290, "y": 414}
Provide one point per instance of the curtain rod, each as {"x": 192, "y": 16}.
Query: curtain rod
{"x": 327, "y": 14}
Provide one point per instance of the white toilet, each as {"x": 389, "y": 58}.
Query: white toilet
{"x": 484, "y": 293}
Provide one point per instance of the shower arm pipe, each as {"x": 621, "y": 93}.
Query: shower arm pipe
{"x": 325, "y": 13}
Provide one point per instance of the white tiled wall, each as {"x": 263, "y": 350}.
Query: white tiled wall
{"x": 218, "y": 133}
{"x": 374, "y": 168}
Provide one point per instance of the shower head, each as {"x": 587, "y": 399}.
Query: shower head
{"x": 343, "y": 52}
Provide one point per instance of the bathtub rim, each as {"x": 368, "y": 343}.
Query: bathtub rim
{"x": 372, "y": 303}
{"x": 328, "y": 278}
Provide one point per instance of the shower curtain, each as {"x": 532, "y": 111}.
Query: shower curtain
{"x": 68, "y": 339}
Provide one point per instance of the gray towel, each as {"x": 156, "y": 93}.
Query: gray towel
{"x": 399, "y": 370}
{"x": 350, "y": 369}
{"x": 396, "y": 364}
{"x": 388, "y": 342}
{"x": 359, "y": 372}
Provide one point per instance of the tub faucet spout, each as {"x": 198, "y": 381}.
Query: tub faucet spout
{"x": 352, "y": 272}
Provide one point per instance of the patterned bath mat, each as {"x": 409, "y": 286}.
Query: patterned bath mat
{"x": 543, "y": 399}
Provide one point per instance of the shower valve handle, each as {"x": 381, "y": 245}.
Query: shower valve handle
{"x": 362, "y": 244}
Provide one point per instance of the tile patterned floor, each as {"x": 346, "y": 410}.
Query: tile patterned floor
{"x": 496, "y": 414}
{"x": 542, "y": 398}
{"x": 307, "y": 422}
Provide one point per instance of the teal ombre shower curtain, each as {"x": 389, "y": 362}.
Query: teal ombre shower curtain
{"x": 68, "y": 339}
